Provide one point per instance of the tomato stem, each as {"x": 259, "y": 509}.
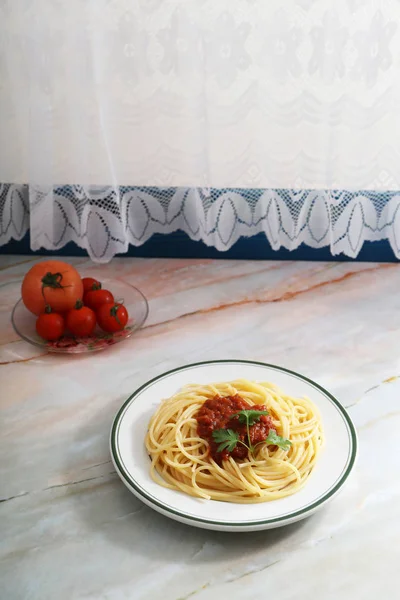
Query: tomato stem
{"x": 114, "y": 313}
{"x": 52, "y": 280}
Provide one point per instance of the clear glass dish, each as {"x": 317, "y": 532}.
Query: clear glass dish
{"x": 24, "y": 323}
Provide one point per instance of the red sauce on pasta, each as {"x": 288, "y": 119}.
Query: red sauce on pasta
{"x": 217, "y": 413}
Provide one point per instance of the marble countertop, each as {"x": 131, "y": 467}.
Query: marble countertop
{"x": 69, "y": 527}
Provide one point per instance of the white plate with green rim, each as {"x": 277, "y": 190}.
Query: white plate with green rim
{"x": 132, "y": 462}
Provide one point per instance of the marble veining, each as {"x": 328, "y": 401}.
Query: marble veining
{"x": 71, "y": 530}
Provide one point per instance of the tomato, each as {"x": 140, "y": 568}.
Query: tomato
{"x": 81, "y": 320}
{"x": 90, "y": 284}
{"x": 53, "y": 283}
{"x": 95, "y": 298}
{"x": 50, "y": 325}
{"x": 112, "y": 317}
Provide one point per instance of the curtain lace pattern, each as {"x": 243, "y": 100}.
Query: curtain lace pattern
{"x": 105, "y": 221}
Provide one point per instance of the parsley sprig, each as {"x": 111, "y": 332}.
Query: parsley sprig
{"x": 227, "y": 439}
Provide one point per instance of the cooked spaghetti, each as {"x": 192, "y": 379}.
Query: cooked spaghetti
{"x": 241, "y": 441}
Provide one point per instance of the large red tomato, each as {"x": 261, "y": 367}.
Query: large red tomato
{"x": 53, "y": 283}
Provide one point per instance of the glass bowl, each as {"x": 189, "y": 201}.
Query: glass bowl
{"x": 24, "y": 323}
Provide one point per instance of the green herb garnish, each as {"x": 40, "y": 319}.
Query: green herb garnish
{"x": 250, "y": 416}
{"x": 227, "y": 439}
{"x": 274, "y": 439}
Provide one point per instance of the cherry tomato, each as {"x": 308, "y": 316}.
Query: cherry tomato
{"x": 50, "y": 325}
{"x": 90, "y": 284}
{"x": 81, "y": 320}
{"x": 112, "y": 317}
{"x": 95, "y": 298}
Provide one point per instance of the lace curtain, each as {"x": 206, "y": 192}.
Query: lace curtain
{"x": 224, "y": 118}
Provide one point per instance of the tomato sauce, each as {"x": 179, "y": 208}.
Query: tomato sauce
{"x": 217, "y": 413}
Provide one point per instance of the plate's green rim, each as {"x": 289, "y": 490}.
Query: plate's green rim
{"x": 290, "y": 516}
